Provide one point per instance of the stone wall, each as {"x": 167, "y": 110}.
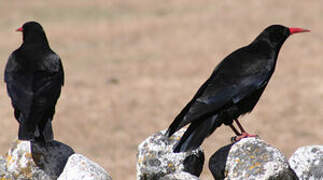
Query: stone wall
{"x": 249, "y": 158}
{"x": 26, "y": 160}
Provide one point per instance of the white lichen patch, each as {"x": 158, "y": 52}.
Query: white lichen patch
{"x": 20, "y": 164}
{"x": 307, "y": 162}
{"x": 19, "y": 159}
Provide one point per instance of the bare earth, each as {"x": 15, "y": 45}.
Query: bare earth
{"x": 132, "y": 65}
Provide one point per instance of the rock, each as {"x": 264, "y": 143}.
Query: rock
{"x": 250, "y": 158}
{"x": 156, "y": 159}
{"x": 217, "y": 162}
{"x": 37, "y": 161}
{"x": 4, "y": 174}
{"x": 3, "y": 165}
{"x": 51, "y": 157}
{"x": 20, "y": 164}
{"x": 307, "y": 162}
{"x": 78, "y": 167}
{"x": 179, "y": 175}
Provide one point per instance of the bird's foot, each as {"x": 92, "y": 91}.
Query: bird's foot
{"x": 241, "y": 136}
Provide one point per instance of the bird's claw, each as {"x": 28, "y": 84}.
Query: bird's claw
{"x": 243, "y": 135}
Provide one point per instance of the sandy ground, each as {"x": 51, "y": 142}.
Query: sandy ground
{"x": 131, "y": 66}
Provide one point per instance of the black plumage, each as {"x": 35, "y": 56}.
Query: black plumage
{"x": 34, "y": 76}
{"x": 233, "y": 89}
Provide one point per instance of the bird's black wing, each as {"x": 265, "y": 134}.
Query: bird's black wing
{"x": 52, "y": 64}
{"x": 179, "y": 118}
{"x": 47, "y": 82}
{"x": 236, "y": 77}
{"x": 31, "y": 92}
{"x": 18, "y": 85}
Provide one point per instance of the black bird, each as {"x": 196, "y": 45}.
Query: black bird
{"x": 34, "y": 75}
{"x": 233, "y": 89}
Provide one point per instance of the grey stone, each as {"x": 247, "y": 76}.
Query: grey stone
{"x": 78, "y": 167}
{"x": 51, "y": 157}
{"x": 179, "y": 175}
{"x": 156, "y": 159}
{"x": 27, "y": 160}
{"x": 250, "y": 158}
{"x": 20, "y": 165}
{"x": 3, "y": 167}
{"x": 307, "y": 162}
{"x": 4, "y": 174}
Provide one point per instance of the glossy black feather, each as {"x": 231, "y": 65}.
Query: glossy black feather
{"x": 34, "y": 76}
{"x": 233, "y": 89}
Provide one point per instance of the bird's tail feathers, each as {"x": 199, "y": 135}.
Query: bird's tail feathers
{"x": 46, "y": 131}
{"x": 173, "y": 127}
{"x": 179, "y": 121}
{"x": 196, "y": 133}
{"x": 26, "y": 132}
{"x": 42, "y": 133}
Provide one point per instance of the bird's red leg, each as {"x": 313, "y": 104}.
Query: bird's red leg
{"x": 243, "y": 134}
{"x": 234, "y": 130}
{"x": 240, "y": 126}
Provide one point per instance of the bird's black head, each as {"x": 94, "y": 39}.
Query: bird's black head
{"x": 276, "y": 35}
{"x": 33, "y": 33}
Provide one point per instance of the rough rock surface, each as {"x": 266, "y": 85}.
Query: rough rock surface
{"x": 156, "y": 159}
{"x": 4, "y": 174}
{"x": 32, "y": 161}
{"x": 307, "y": 162}
{"x": 179, "y": 175}
{"x": 51, "y": 157}
{"x": 250, "y": 158}
{"x": 78, "y": 167}
{"x": 20, "y": 165}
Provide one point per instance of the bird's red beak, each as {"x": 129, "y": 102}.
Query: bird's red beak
{"x": 20, "y": 29}
{"x": 294, "y": 30}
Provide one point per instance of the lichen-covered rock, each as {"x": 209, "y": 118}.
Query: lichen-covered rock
{"x": 307, "y": 162}
{"x": 20, "y": 165}
{"x": 51, "y": 157}
{"x": 179, "y": 175}
{"x": 78, "y": 167}
{"x": 250, "y": 158}
{"x": 37, "y": 161}
{"x": 156, "y": 159}
{"x": 4, "y": 174}
{"x": 3, "y": 165}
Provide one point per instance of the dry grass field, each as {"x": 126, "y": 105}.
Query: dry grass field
{"x": 131, "y": 66}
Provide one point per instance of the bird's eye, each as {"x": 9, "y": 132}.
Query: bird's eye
{"x": 276, "y": 37}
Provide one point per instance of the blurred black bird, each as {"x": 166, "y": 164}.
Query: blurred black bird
{"x": 233, "y": 89}
{"x": 34, "y": 76}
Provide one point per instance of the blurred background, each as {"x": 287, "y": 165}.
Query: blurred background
{"x": 131, "y": 66}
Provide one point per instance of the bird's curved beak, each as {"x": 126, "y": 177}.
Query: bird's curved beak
{"x": 19, "y": 29}
{"x": 294, "y": 30}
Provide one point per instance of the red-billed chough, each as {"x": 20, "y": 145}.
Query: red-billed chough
{"x": 233, "y": 89}
{"x": 34, "y": 76}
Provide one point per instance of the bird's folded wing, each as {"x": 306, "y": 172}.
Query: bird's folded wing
{"x": 37, "y": 91}
{"x": 221, "y": 96}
